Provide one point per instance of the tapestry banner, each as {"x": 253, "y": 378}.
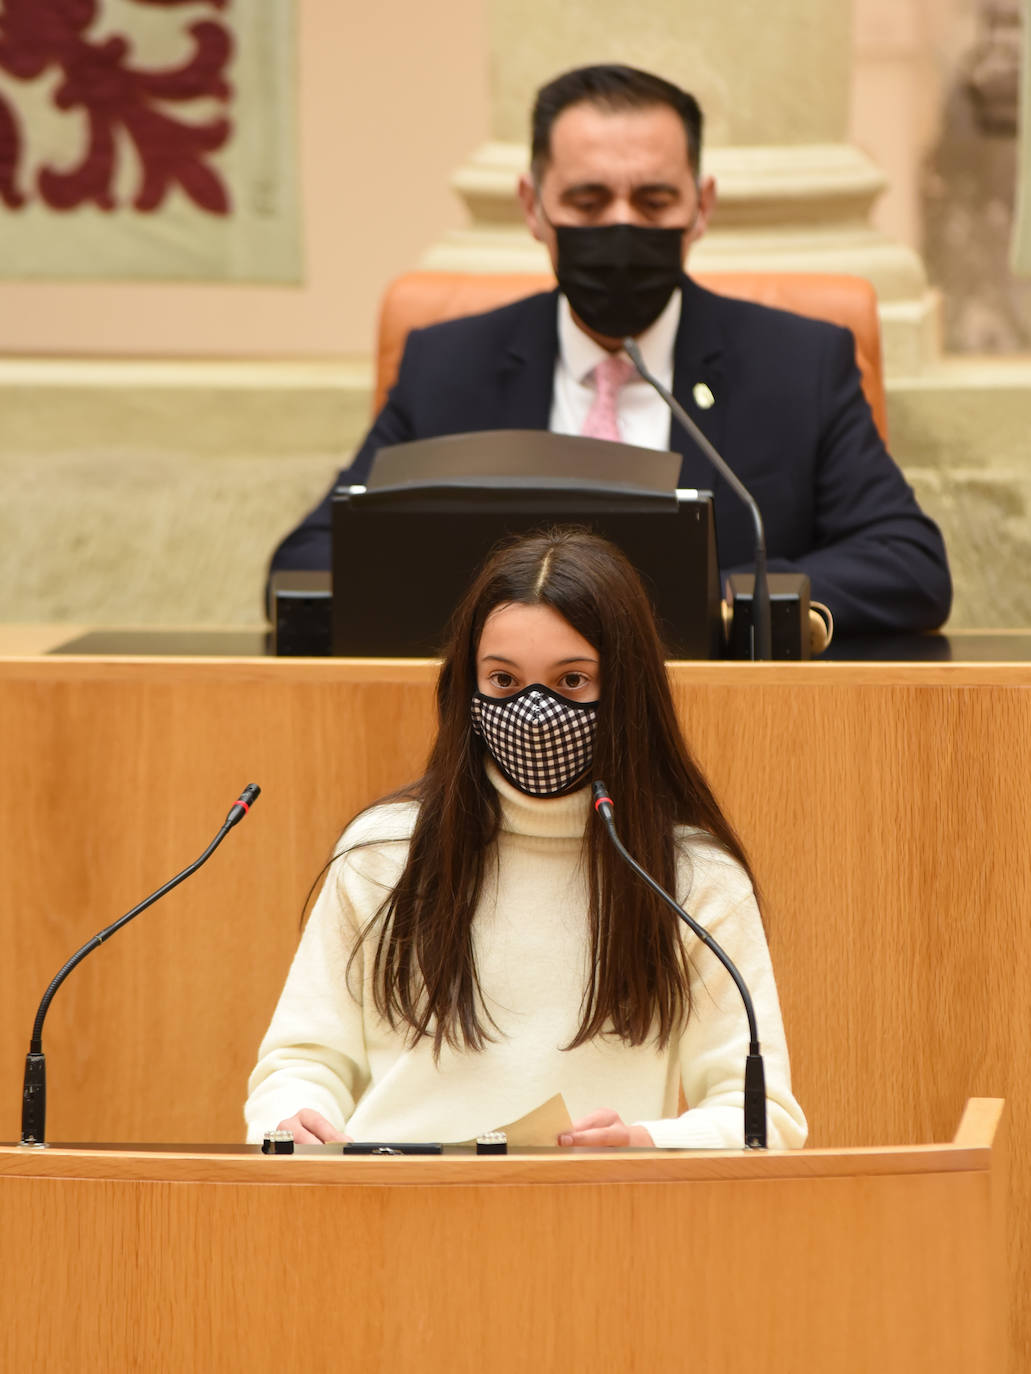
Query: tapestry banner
{"x": 148, "y": 140}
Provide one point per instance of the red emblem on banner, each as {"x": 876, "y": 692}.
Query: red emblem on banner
{"x": 116, "y": 100}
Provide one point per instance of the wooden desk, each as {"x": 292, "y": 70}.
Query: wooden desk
{"x": 851, "y": 1261}
{"x": 885, "y": 807}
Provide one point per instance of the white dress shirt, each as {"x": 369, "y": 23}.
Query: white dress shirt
{"x": 644, "y": 417}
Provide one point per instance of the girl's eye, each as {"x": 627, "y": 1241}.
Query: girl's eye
{"x": 502, "y": 681}
{"x": 572, "y": 681}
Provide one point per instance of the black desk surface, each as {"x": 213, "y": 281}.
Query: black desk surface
{"x": 959, "y": 646}
{"x": 169, "y": 643}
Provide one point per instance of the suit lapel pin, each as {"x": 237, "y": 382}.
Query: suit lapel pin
{"x": 703, "y": 397}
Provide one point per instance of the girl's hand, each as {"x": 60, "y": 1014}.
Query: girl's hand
{"x": 310, "y": 1127}
{"x": 605, "y": 1128}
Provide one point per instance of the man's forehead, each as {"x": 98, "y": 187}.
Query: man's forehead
{"x": 599, "y": 143}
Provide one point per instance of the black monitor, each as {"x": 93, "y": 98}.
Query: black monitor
{"x": 406, "y": 545}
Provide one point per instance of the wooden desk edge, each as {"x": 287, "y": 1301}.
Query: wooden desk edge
{"x": 88, "y": 667}
{"x": 660, "y": 1166}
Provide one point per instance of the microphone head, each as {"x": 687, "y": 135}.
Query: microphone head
{"x": 600, "y": 793}
{"x": 243, "y": 804}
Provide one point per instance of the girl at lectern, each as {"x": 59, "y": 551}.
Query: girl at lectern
{"x": 479, "y": 948}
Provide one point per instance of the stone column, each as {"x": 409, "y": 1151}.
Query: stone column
{"x": 1016, "y": 42}
{"x": 774, "y": 83}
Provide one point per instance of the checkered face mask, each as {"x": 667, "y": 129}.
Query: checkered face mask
{"x": 542, "y": 742}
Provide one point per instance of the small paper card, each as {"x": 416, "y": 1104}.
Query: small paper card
{"x": 541, "y": 1126}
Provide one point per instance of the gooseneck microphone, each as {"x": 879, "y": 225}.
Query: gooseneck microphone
{"x": 34, "y": 1093}
{"x": 761, "y": 634}
{"x": 755, "y": 1073}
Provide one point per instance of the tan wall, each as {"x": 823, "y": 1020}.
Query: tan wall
{"x": 392, "y": 97}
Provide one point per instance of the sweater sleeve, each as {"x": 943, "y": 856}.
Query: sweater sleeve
{"x": 313, "y": 1053}
{"x": 714, "y": 1044}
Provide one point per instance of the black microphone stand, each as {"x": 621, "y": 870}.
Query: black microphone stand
{"x": 34, "y": 1092}
{"x": 755, "y": 1073}
{"x": 762, "y": 641}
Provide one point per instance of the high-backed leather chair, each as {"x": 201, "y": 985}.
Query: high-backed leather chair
{"x": 421, "y": 298}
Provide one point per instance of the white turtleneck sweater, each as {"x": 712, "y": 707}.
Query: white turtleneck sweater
{"x": 327, "y": 1047}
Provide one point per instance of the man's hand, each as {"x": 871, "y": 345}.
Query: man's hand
{"x": 310, "y": 1127}
{"x": 605, "y": 1128}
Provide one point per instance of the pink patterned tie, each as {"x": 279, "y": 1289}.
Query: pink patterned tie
{"x": 611, "y": 374}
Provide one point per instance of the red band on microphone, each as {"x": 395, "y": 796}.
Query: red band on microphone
{"x": 604, "y": 799}
{"x": 240, "y": 802}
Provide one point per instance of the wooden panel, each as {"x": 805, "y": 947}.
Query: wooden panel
{"x": 790, "y": 1263}
{"x": 113, "y": 780}
{"x": 885, "y": 807}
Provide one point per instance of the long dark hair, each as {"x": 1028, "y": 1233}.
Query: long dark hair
{"x": 425, "y": 973}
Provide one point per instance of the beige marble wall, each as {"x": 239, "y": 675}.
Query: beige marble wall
{"x": 157, "y": 538}
{"x": 153, "y": 493}
{"x": 960, "y": 431}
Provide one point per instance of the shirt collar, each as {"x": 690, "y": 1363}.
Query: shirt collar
{"x": 581, "y": 355}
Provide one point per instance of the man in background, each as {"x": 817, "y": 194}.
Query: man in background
{"x": 615, "y": 193}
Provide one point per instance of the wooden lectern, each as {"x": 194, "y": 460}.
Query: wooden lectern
{"x": 849, "y": 1261}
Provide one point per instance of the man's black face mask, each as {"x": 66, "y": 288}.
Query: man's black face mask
{"x": 618, "y": 277}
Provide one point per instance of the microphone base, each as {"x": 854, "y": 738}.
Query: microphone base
{"x": 755, "y": 1103}
{"x": 789, "y": 616}
{"x": 34, "y": 1101}
{"x": 301, "y": 610}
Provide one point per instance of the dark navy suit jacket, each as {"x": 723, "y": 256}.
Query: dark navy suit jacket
{"x": 789, "y": 417}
